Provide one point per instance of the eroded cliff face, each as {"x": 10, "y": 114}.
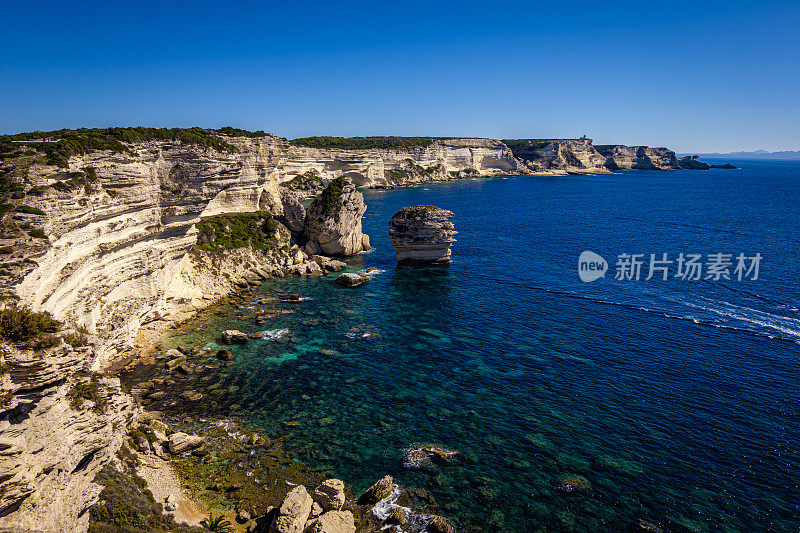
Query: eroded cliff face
{"x": 53, "y": 442}
{"x": 442, "y": 160}
{"x": 114, "y": 252}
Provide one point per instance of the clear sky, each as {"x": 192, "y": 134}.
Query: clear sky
{"x": 695, "y": 76}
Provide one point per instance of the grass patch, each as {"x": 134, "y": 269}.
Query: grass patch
{"x": 20, "y": 324}
{"x": 237, "y": 230}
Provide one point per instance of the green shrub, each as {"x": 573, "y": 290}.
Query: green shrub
{"x": 76, "y": 339}
{"x": 6, "y": 249}
{"x": 331, "y": 198}
{"x": 17, "y": 195}
{"x": 237, "y": 230}
{"x": 86, "y": 390}
{"x": 29, "y": 210}
{"x": 91, "y": 173}
{"x": 43, "y": 341}
{"x": 217, "y": 524}
{"x": 6, "y": 398}
{"x": 37, "y": 191}
{"x": 308, "y": 181}
{"x": 126, "y": 507}
{"x": 37, "y": 233}
{"x": 20, "y": 324}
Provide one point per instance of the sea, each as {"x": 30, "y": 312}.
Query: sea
{"x": 662, "y": 395}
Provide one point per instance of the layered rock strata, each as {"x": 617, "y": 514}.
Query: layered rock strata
{"x": 53, "y": 442}
{"x": 422, "y": 234}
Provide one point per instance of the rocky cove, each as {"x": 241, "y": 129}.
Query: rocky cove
{"x": 119, "y": 244}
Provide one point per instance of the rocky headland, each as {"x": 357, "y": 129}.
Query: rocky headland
{"x": 115, "y": 235}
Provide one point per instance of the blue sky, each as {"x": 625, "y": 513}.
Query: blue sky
{"x": 694, "y": 76}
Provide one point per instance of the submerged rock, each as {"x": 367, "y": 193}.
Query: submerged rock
{"x": 351, "y": 280}
{"x": 425, "y": 456}
{"x": 333, "y": 221}
{"x": 234, "y": 336}
{"x": 422, "y": 234}
{"x": 180, "y": 442}
{"x": 573, "y": 484}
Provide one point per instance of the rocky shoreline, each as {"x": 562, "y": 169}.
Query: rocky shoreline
{"x": 233, "y": 470}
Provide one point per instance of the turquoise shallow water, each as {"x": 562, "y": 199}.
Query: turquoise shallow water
{"x": 676, "y": 400}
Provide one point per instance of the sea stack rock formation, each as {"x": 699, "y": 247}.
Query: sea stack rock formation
{"x": 422, "y": 235}
{"x": 333, "y": 221}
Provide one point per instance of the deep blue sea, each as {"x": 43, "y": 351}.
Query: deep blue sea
{"x": 677, "y": 400}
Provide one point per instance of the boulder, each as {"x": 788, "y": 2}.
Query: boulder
{"x": 351, "y": 280}
{"x": 333, "y": 221}
{"x": 330, "y": 494}
{"x": 170, "y": 503}
{"x": 180, "y": 442}
{"x": 332, "y": 522}
{"x": 175, "y": 362}
{"x": 334, "y": 266}
{"x": 380, "y": 490}
{"x": 234, "y": 336}
{"x": 397, "y": 516}
{"x": 173, "y": 353}
{"x": 224, "y": 355}
{"x": 422, "y": 235}
{"x": 293, "y": 512}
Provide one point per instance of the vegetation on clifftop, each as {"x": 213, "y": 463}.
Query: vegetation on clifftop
{"x": 237, "y": 230}
{"x": 60, "y": 144}
{"x": 519, "y": 145}
{"x": 361, "y": 143}
{"x": 331, "y": 198}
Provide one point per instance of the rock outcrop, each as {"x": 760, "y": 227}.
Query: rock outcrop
{"x": 422, "y": 234}
{"x": 620, "y": 157}
{"x": 692, "y": 162}
{"x": 380, "y": 490}
{"x": 333, "y": 221}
